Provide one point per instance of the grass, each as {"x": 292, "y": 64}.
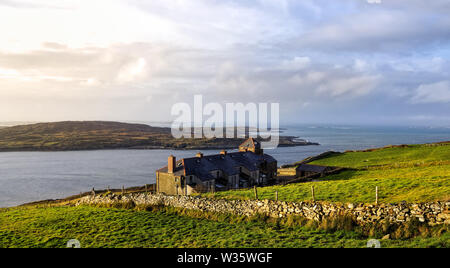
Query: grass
{"x": 117, "y": 228}
{"x": 417, "y": 173}
{"x": 410, "y": 155}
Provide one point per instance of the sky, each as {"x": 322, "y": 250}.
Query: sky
{"x": 380, "y": 62}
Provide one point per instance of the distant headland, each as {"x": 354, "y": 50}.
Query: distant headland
{"x": 98, "y": 135}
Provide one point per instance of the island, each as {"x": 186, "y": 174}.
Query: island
{"x": 97, "y": 135}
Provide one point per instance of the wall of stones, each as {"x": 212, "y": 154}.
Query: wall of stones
{"x": 432, "y": 213}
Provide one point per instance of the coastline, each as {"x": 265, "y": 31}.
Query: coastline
{"x": 286, "y": 141}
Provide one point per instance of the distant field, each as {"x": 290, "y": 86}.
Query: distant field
{"x": 99, "y": 227}
{"x": 416, "y": 173}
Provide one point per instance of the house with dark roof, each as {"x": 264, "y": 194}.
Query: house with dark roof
{"x": 208, "y": 173}
{"x": 307, "y": 170}
{"x": 304, "y": 170}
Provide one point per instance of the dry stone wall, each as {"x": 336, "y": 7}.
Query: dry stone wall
{"x": 432, "y": 213}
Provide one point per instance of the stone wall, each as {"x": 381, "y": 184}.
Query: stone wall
{"x": 432, "y": 213}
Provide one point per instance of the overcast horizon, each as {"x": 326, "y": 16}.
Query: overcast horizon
{"x": 350, "y": 62}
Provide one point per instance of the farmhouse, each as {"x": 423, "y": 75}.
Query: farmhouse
{"x": 247, "y": 167}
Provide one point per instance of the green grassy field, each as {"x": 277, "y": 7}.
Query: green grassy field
{"x": 394, "y": 156}
{"x": 417, "y": 173}
{"x": 101, "y": 227}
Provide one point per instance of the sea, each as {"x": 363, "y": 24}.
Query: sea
{"x": 32, "y": 176}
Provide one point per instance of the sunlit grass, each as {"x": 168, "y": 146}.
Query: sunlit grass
{"x": 101, "y": 227}
{"x": 412, "y": 154}
{"x": 418, "y": 173}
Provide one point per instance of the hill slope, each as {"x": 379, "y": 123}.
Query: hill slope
{"x": 415, "y": 173}
{"x": 92, "y": 135}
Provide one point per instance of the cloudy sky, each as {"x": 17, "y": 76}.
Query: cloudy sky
{"x": 383, "y": 62}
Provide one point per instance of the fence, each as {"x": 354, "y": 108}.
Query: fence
{"x": 313, "y": 176}
{"x": 149, "y": 188}
{"x": 314, "y": 189}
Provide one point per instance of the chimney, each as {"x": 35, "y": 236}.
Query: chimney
{"x": 199, "y": 155}
{"x": 223, "y": 152}
{"x": 172, "y": 164}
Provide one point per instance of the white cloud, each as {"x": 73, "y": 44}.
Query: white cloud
{"x": 434, "y": 64}
{"x": 132, "y": 71}
{"x": 377, "y": 30}
{"x": 90, "y": 82}
{"x": 350, "y": 87}
{"x": 119, "y": 55}
{"x": 201, "y": 24}
{"x": 432, "y": 93}
{"x": 360, "y": 65}
{"x": 9, "y": 73}
{"x": 297, "y": 63}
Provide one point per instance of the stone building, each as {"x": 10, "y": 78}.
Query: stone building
{"x": 307, "y": 170}
{"x": 245, "y": 168}
{"x": 304, "y": 170}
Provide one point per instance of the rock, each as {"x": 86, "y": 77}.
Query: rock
{"x": 432, "y": 213}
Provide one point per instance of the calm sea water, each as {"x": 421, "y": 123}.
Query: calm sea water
{"x": 31, "y": 176}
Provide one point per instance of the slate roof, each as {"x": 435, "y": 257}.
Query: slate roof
{"x": 312, "y": 168}
{"x": 229, "y": 164}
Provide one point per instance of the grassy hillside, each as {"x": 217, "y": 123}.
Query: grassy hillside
{"x": 93, "y": 135}
{"x": 416, "y": 173}
{"x": 405, "y": 155}
{"x": 100, "y": 227}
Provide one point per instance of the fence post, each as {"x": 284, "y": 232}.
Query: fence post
{"x": 312, "y": 193}
{"x": 123, "y": 189}
{"x": 276, "y": 196}
{"x": 109, "y": 188}
{"x": 93, "y": 192}
{"x": 376, "y": 195}
{"x": 256, "y": 192}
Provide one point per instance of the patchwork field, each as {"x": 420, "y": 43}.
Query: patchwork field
{"x": 416, "y": 173}
{"x": 101, "y": 227}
